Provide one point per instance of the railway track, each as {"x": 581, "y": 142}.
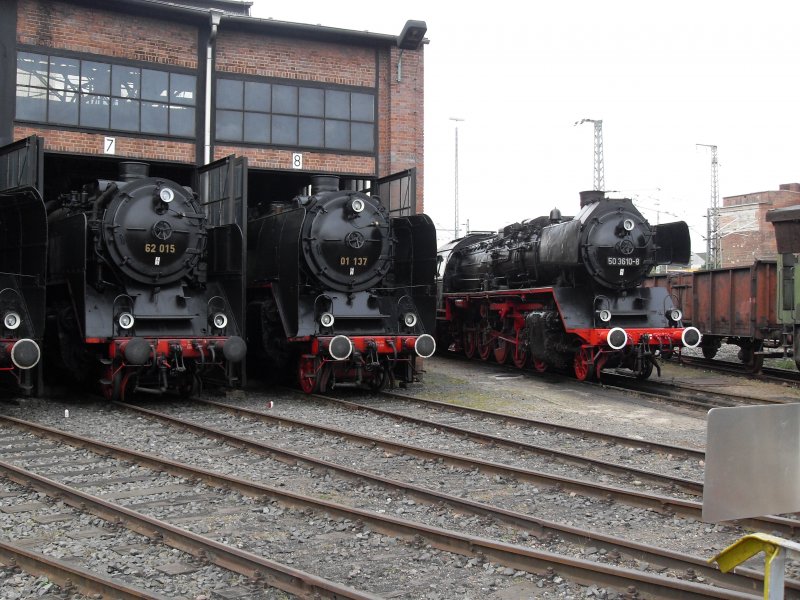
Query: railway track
{"x": 563, "y": 565}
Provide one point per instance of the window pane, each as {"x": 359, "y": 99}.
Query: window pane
{"x": 95, "y": 77}
{"x": 256, "y": 128}
{"x": 257, "y": 96}
{"x": 64, "y": 73}
{"x": 362, "y": 136}
{"x": 312, "y": 102}
{"x": 337, "y": 104}
{"x": 337, "y": 134}
{"x": 32, "y": 69}
{"x": 362, "y": 107}
{"x": 181, "y": 120}
{"x": 284, "y": 129}
{"x": 312, "y": 132}
{"x": 229, "y": 125}
{"x": 155, "y": 85}
{"x": 94, "y": 111}
{"x": 125, "y": 114}
{"x": 154, "y": 118}
{"x": 125, "y": 82}
{"x": 229, "y": 93}
{"x": 284, "y": 99}
{"x": 31, "y": 103}
{"x": 63, "y": 107}
{"x": 183, "y": 88}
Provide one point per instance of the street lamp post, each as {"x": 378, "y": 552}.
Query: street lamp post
{"x": 457, "y": 120}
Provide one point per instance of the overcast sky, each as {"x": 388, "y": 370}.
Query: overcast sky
{"x": 662, "y": 77}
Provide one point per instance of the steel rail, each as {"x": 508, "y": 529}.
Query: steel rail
{"x": 555, "y": 427}
{"x": 69, "y": 577}
{"x": 577, "y": 570}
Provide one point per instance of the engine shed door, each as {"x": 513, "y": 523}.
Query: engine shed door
{"x": 398, "y": 192}
{"x": 222, "y": 188}
{"x": 22, "y": 164}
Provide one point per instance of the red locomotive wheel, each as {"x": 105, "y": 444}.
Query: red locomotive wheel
{"x": 486, "y": 343}
{"x": 470, "y": 343}
{"x": 539, "y": 365}
{"x": 582, "y": 365}
{"x": 503, "y": 351}
{"x": 520, "y": 357}
{"x": 308, "y": 370}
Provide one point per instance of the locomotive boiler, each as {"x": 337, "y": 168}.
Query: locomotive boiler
{"x": 140, "y": 289}
{"x": 339, "y": 291}
{"x": 563, "y": 291}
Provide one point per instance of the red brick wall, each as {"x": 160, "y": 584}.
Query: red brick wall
{"x": 61, "y": 25}
{"x": 746, "y": 234}
{"x": 267, "y": 56}
{"x": 88, "y": 143}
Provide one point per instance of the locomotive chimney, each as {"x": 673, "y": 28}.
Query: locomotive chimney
{"x": 130, "y": 171}
{"x": 324, "y": 183}
{"x": 591, "y": 196}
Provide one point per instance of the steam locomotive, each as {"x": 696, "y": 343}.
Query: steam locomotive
{"x": 22, "y": 284}
{"x": 564, "y": 292}
{"x": 140, "y": 290}
{"x": 339, "y": 291}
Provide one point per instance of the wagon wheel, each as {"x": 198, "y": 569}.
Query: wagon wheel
{"x": 470, "y": 342}
{"x": 502, "y": 351}
{"x": 111, "y": 390}
{"x": 709, "y": 351}
{"x": 128, "y": 386}
{"x": 486, "y": 343}
{"x": 539, "y": 365}
{"x": 379, "y": 379}
{"x": 646, "y": 371}
{"x": 520, "y": 356}
{"x": 582, "y": 364}
{"x": 308, "y": 369}
{"x": 747, "y": 355}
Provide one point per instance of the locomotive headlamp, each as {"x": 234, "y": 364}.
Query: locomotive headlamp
{"x": 219, "y": 320}
{"x": 604, "y": 315}
{"x": 675, "y": 314}
{"x": 166, "y": 194}
{"x": 627, "y": 224}
{"x": 11, "y": 320}
{"x": 357, "y": 205}
{"x": 126, "y": 320}
{"x": 410, "y": 319}
{"x": 326, "y": 319}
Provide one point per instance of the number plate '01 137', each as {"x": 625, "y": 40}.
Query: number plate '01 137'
{"x": 622, "y": 261}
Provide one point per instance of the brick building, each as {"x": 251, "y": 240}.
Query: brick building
{"x": 746, "y": 235}
{"x": 188, "y": 82}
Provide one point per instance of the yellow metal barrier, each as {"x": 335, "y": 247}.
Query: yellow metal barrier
{"x": 774, "y": 548}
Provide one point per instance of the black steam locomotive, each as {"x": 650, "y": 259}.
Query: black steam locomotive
{"x": 339, "y": 290}
{"x": 565, "y": 292}
{"x": 23, "y": 254}
{"x": 140, "y": 289}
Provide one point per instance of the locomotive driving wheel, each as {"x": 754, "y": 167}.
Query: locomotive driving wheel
{"x": 486, "y": 343}
{"x": 503, "y": 350}
{"x": 539, "y": 365}
{"x": 582, "y": 364}
{"x": 308, "y": 371}
{"x": 520, "y": 356}
{"x": 470, "y": 342}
